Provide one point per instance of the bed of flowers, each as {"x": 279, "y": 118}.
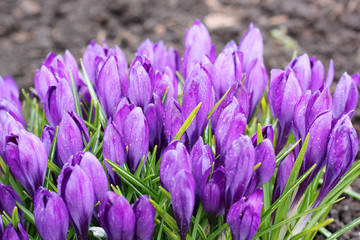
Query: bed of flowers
{"x": 202, "y": 146}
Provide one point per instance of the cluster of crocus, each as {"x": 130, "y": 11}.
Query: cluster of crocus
{"x": 145, "y": 149}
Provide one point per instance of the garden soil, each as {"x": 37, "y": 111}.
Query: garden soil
{"x": 29, "y": 29}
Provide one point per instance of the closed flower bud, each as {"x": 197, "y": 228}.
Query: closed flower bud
{"x": 10, "y": 91}
{"x": 7, "y": 106}
{"x": 300, "y": 66}
{"x": 173, "y": 120}
{"x": 117, "y": 217}
{"x": 90, "y": 58}
{"x": 8, "y": 198}
{"x": 244, "y": 217}
{"x": 183, "y": 200}
{"x": 70, "y": 136}
{"x": 166, "y": 80}
{"x": 51, "y": 215}
{"x": 8, "y": 125}
{"x": 76, "y": 189}
{"x": 267, "y": 133}
{"x": 43, "y": 79}
{"x": 94, "y": 170}
{"x": 155, "y": 115}
{"x": 239, "y": 165}
{"x": 26, "y": 149}
{"x": 145, "y": 218}
{"x": 10, "y": 233}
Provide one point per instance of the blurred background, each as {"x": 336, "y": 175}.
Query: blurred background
{"x": 30, "y": 29}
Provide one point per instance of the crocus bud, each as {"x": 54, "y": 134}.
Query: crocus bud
{"x": 166, "y": 58}
{"x": 345, "y": 96}
{"x": 10, "y": 91}
{"x": 136, "y": 137}
{"x": 300, "y": 66}
{"x": 145, "y": 218}
{"x": 58, "y": 99}
{"x": 267, "y": 133}
{"x": 173, "y": 120}
{"x": 70, "y": 138}
{"x": 183, "y": 200}
{"x": 7, "y": 106}
{"x": 8, "y": 125}
{"x": 71, "y": 64}
{"x": 284, "y": 93}
{"x": 114, "y": 150}
{"x": 239, "y": 165}
{"x": 8, "y": 198}
{"x": 108, "y": 86}
{"x": 10, "y": 233}
{"x": 117, "y": 217}
{"x": 166, "y": 80}
{"x": 197, "y": 89}
{"x": 26, "y": 149}
{"x": 264, "y": 154}
{"x": 283, "y": 173}
{"x": 155, "y": 114}
{"x": 93, "y": 52}
{"x": 51, "y": 215}
{"x": 141, "y": 82}
{"x": 175, "y": 158}
{"x": 227, "y": 69}
{"x": 43, "y": 79}
{"x": 213, "y": 195}
{"x": 341, "y": 153}
{"x": 76, "y": 189}
{"x": 317, "y": 74}
{"x": 94, "y": 170}
{"x": 230, "y": 126}
{"x": 256, "y": 80}
{"x": 244, "y": 217}
{"x": 251, "y": 45}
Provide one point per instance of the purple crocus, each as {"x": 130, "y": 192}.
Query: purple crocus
{"x": 70, "y": 136}
{"x": 76, "y": 189}
{"x": 145, "y": 218}
{"x": 51, "y": 215}
{"x": 155, "y": 115}
{"x": 27, "y": 159}
{"x": 114, "y": 150}
{"x": 175, "y": 158}
{"x": 284, "y": 93}
{"x": 7, "y": 106}
{"x": 58, "y": 99}
{"x": 117, "y": 217}
{"x": 8, "y": 125}
{"x": 267, "y": 133}
{"x": 244, "y": 216}
{"x": 239, "y": 165}
{"x": 141, "y": 82}
{"x": 346, "y": 95}
{"x": 13, "y": 234}
{"x": 43, "y": 79}
{"x": 341, "y": 153}
{"x": 166, "y": 80}
{"x": 197, "y": 89}
{"x": 95, "y": 172}
{"x": 183, "y": 200}
{"x": 173, "y": 120}
{"x": 8, "y": 198}
{"x": 10, "y": 91}
{"x": 92, "y": 55}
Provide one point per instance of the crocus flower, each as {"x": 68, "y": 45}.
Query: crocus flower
{"x": 300, "y": 66}
{"x": 244, "y": 217}
{"x": 70, "y": 136}
{"x": 26, "y": 149}
{"x": 175, "y": 158}
{"x": 108, "y": 86}
{"x": 183, "y": 200}
{"x": 173, "y": 120}
{"x": 51, "y": 215}
{"x": 95, "y": 172}
{"x": 76, "y": 189}
{"x": 136, "y": 137}
{"x": 145, "y": 218}
{"x": 114, "y": 150}
{"x": 7, "y": 106}
{"x": 58, "y": 99}
{"x": 283, "y": 174}
{"x": 284, "y": 93}
{"x": 166, "y": 80}
{"x": 341, "y": 153}
{"x": 13, "y": 234}
{"x": 8, "y": 125}
{"x": 227, "y": 69}
{"x": 267, "y": 133}
{"x": 8, "y": 198}
{"x": 264, "y": 154}
{"x": 141, "y": 82}
{"x": 230, "y": 126}
{"x": 213, "y": 195}
{"x": 251, "y": 45}
{"x": 155, "y": 115}
{"x": 345, "y": 96}
{"x": 93, "y": 53}
{"x": 117, "y": 217}
{"x": 10, "y": 91}
{"x": 239, "y": 165}
{"x": 43, "y": 79}
{"x": 197, "y": 89}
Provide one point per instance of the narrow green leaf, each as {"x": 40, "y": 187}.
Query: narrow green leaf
{"x": 218, "y": 103}
{"x": 165, "y": 193}
{"x": 168, "y": 232}
{"x": 260, "y": 137}
{"x": 197, "y": 220}
{"x": 181, "y": 79}
{"x": 217, "y": 232}
{"x": 27, "y": 214}
{"x": 92, "y": 139}
{"x": 344, "y": 229}
{"x": 140, "y": 167}
{"x": 187, "y": 122}
{"x": 55, "y": 169}
{"x": 257, "y": 166}
{"x": 163, "y": 99}
{"x": 168, "y": 219}
{"x": 76, "y": 96}
{"x": 313, "y": 229}
{"x": 279, "y": 158}
{"x": 15, "y": 217}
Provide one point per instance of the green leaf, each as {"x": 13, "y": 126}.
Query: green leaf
{"x": 165, "y": 193}
{"x": 279, "y": 158}
{"x": 187, "y": 123}
{"x": 76, "y": 96}
{"x": 27, "y": 214}
{"x": 92, "y": 139}
{"x": 313, "y": 229}
{"x": 217, "y": 232}
{"x": 55, "y": 169}
{"x": 345, "y": 229}
{"x": 15, "y": 217}
{"x": 163, "y": 99}
{"x": 140, "y": 167}
{"x": 168, "y": 219}
{"x": 260, "y": 137}
{"x": 218, "y": 103}
{"x": 197, "y": 220}
{"x": 168, "y": 232}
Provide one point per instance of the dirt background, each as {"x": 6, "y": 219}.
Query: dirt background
{"x": 29, "y": 29}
